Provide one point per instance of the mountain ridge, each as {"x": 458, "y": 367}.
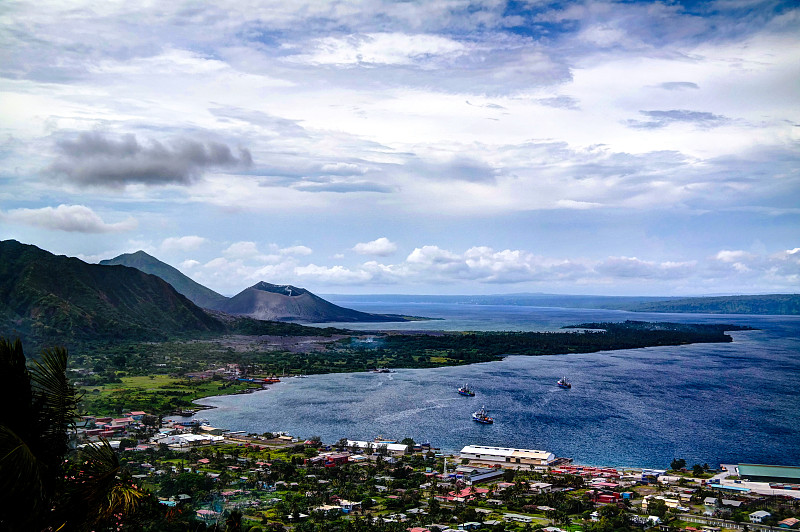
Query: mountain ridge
{"x": 200, "y": 295}
{"x": 47, "y": 299}
{"x": 266, "y": 301}
{"x": 262, "y": 301}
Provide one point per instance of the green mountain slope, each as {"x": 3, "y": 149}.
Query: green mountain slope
{"x": 197, "y": 293}
{"x": 760, "y": 304}
{"x": 46, "y": 296}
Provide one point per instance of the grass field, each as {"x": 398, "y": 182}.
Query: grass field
{"x": 155, "y": 394}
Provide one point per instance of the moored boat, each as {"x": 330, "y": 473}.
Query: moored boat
{"x": 464, "y": 390}
{"x": 564, "y": 383}
{"x": 481, "y": 416}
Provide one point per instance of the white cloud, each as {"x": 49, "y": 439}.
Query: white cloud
{"x": 726, "y": 255}
{"x": 71, "y": 218}
{"x": 332, "y": 274}
{"x": 380, "y": 247}
{"x": 380, "y": 48}
{"x": 241, "y": 250}
{"x": 296, "y": 250}
{"x": 182, "y": 243}
{"x": 620, "y": 268}
{"x": 189, "y": 264}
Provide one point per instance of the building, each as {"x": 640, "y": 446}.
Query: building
{"x": 187, "y": 440}
{"x": 506, "y": 456}
{"x": 790, "y": 522}
{"x": 759, "y": 516}
{"x": 769, "y": 473}
{"x": 393, "y": 448}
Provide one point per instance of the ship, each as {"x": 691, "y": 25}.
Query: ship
{"x": 482, "y": 417}
{"x": 464, "y": 390}
{"x": 564, "y": 383}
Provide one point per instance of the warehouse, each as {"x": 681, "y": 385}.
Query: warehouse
{"x": 507, "y": 456}
{"x": 769, "y": 473}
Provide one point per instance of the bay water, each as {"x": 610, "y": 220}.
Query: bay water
{"x": 708, "y": 403}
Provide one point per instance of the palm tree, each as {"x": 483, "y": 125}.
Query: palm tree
{"x": 40, "y": 408}
{"x": 41, "y": 489}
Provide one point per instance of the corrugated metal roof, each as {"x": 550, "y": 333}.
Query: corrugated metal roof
{"x": 507, "y": 451}
{"x": 762, "y": 470}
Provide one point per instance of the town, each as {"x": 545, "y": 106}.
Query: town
{"x": 274, "y": 481}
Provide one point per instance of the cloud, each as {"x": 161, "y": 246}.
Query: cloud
{"x": 733, "y": 255}
{"x": 678, "y": 85}
{"x": 380, "y": 48}
{"x": 98, "y": 159}
{"x": 560, "y": 102}
{"x": 659, "y": 119}
{"x": 71, "y": 218}
{"x": 296, "y": 250}
{"x": 182, "y": 243}
{"x": 332, "y": 274}
{"x": 340, "y": 186}
{"x": 380, "y": 247}
{"x": 189, "y": 264}
{"x": 633, "y": 268}
{"x": 457, "y": 167}
{"x": 241, "y": 250}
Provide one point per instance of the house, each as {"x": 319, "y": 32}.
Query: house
{"x": 349, "y": 506}
{"x": 759, "y": 516}
{"x": 541, "y": 487}
{"x": 518, "y": 518}
{"x": 789, "y": 522}
{"x": 711, "y": 504}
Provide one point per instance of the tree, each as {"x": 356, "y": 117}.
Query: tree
{"x": 697, "y": 470}
{"x": 233, "y": 523}
{"x": 41, "y": 490}
{"x": 657, "y": 507}
{"x": 408, "y": 441}
{"x": 33, "y": 434}
{"x": 677, "y": 464}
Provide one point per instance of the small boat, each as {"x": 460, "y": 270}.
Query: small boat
{"x": 564, "y": 383}
{"x": 464, "y": 390}
{"x": 482, "y": 417}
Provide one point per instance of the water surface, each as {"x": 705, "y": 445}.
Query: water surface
{"x": 714, "y": 403}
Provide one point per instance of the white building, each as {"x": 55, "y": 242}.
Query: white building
{"x": 393, "y": 448}
{"x": 507, "y": 456}
{"x": 759, "y": 516}
{"x": 186, "y": 440}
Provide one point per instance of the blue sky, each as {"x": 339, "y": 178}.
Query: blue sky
{"x": 451, "y": 147}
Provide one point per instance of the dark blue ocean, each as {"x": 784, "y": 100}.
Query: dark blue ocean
{"x": 707, "y": 403}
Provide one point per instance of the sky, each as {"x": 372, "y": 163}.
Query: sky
{"x": 411, "y": 147}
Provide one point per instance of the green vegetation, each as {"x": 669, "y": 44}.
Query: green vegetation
{"x": 786, "y": 304}
{"x": 197, "y": 293}
{"x": 159, "y": 394}
{"x": 41, "y": 490}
